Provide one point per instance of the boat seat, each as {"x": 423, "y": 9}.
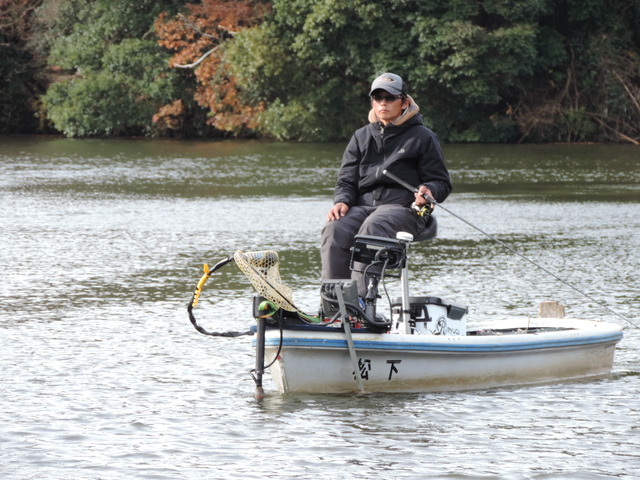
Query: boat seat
{"x": 429, "y": 232}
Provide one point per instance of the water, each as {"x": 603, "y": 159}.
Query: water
{"x": 103, "y": 376}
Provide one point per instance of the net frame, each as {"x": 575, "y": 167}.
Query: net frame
{"x": 263, "y": 271}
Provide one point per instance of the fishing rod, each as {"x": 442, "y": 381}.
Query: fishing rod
{"x": 433, "y": 201}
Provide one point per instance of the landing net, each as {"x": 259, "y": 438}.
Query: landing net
{"x": 262, "y": 270}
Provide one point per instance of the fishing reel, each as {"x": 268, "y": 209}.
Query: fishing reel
{"x": 424, "y": 211}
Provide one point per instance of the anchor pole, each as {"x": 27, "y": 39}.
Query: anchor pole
{"x": 259, "y": 370}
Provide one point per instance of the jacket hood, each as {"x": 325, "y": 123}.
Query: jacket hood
{"x": 410, "y": 112}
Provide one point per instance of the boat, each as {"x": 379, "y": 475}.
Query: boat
{"x": 423, "y": 344}
{"x": 513, "y": 353}
{"x": 413, "y": 344}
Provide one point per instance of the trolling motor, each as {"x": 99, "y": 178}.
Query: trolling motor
{"x": 380, "y": 256}
{"x": 376, "y": 258}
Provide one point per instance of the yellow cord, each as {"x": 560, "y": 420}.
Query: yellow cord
{"x": 196, "y": 295}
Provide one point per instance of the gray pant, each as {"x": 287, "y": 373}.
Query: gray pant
{"x": 338, "y": 237}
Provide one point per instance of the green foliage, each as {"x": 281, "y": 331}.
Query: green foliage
{"x": 306, "y": 98}
{"x": 305, "y": 62}
{"x": 97, "y": 105}
{"x": 457, "y": 58}
{"x": 464, "y": 69}
{"x": 17, "y": 82}
{"x": 20, "y": 81}
{"x": 491, "y": 71}
{"x": 119, "y": 99}
{"x": 94, "y": 25}
{"x": 591, "y": 92}
{"x": 119, "y": 79}
{"x": 495, "y": 71}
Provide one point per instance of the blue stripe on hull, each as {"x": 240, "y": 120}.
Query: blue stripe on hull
{"x": 539, "y": 343}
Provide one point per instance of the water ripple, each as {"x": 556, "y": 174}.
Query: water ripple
{"x": 103, "y": 377}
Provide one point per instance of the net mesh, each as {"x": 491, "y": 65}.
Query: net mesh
{"x": 262, "y": 270}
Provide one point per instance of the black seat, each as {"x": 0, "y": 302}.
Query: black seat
{"x": 430, "y": 230}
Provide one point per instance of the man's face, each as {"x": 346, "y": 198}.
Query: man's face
{"x": 386, "y": 106}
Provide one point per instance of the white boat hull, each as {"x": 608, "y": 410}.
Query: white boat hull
{"x": 318, "y": 361}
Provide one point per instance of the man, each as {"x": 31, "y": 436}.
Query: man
{"x": 366, "y": 202}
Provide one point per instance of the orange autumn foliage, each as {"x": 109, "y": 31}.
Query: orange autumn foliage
{"x": 195, "y": 40}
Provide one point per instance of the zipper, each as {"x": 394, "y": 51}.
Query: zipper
{"x": 384, "y": 159}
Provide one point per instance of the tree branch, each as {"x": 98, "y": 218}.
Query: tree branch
{"x": 620, "y": 135}
{"x": 626, "y": 88}
{"x": 197, "y": 62}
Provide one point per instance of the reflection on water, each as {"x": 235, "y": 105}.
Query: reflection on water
{"x": 104, "y": 377}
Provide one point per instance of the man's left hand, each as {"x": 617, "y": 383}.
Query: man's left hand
{"x": 420, "y": 200}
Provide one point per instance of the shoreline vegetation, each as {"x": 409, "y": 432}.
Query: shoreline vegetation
{"x": 142, "y": 138}
{"x": 523, "y": 71}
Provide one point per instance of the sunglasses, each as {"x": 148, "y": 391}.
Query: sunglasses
{"x": 387, "y": 98}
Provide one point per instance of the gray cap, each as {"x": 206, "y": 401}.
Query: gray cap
{"x": 389, "y": 82}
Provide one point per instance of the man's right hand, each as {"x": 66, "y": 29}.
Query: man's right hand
{"x": 338, "y": 211}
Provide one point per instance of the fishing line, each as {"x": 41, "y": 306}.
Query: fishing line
{"x": 433, "y": 201}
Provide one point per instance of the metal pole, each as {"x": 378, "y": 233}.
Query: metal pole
{"x": 406, "y": 239}
{"x": 347, "y": 333}
{"x": 260, "y": 340}
{"x": 406, "y": 303}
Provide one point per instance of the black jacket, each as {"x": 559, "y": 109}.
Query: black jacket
{"x": 411, "y": 151}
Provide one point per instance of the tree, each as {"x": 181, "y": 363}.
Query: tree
{"x": 197, "y": 39}
{"x": 468, "y": 57}
{"x": 309, "y": 63}
{"x": 587, "y": 81}
{"x": 491, "y": 71}
{"x": 116, "y": 73}
{"x": 20, "y": 82}
{"x": 481, "y": 71}
{"x": 456, "y": 56}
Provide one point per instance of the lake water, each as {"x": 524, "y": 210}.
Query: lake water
{"x": 103, "y": 376}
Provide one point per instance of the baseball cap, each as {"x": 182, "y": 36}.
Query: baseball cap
{"x": 389, "y": 82}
